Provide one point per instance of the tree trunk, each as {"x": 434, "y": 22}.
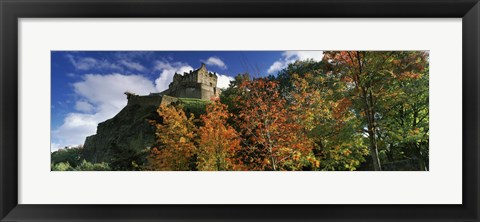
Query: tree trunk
{"x": 419, "y": 155}
{"x": 274, "y": 166}
{"x": 374, "y": 151}
{"x": 422, "y": 164}
{"x": 368, "y": 102}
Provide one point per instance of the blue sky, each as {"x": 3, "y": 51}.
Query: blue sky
{"x": 88, "y": 86}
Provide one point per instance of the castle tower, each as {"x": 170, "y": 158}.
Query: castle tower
{"x": 199, "y": 83}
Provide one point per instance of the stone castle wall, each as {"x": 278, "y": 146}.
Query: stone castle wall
{"x": 154, "y": 100}
{"x": 168, "y": 100}
{"x": 208, "y": 92}
{"x": 199, "y": 84}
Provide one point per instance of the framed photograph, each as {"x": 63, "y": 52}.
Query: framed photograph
{"x": 225, "y": 110}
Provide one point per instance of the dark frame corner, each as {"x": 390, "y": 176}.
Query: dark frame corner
{"x": 12, "y": 10}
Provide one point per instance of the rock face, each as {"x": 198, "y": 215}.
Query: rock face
{"x": 129, "y": 130}
{"x": 127, "y": 133}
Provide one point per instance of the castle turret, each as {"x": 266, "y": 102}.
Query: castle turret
{"x": 203, "y": 67}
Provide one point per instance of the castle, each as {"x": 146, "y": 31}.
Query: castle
{"x": 198, "y": 84}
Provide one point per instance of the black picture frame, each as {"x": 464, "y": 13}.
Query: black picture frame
{"x": 12, "y": 10}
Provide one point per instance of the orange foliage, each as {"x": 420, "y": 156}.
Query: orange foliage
{"x": 176, "y": 139}
{"x": 218, "y": 141}
{"x": 341, "y": 108}
{"x": 271, "y": 137}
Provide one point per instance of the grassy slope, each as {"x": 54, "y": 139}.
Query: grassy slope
{"x": 195, "y": 106}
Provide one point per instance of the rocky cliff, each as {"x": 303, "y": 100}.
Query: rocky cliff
{"x": 129, "y": 131}
{"x": 122, "y": 141}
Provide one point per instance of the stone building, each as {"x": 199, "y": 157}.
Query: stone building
{"x": 198, "y": 83}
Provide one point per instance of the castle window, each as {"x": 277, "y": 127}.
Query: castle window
{"x": 211, "y": 84}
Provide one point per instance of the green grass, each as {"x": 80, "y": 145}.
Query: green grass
{"x": 195, "y": 106}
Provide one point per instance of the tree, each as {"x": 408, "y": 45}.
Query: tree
{"x": 407, "y": 115}
{"x": 87, "y": 166}
{"x": 271, "y": 139}
{"x": 127, "y": 158}
{"x": 62, "y": 166}
{"x": 229, "y": 95}
{"x": 219, "y": 142}
{"x": 83, "y": 166}
{"x": 300, "y": 69}
{"x": 176, "y": 138}
{"x": 371, "y": 76}
{"x": 73, "y": 156}
{"x": 322, "y": 108}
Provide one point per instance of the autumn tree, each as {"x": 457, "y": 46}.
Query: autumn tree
{"x": 229, "y": 95}
{"x": 321, "y": 107}
{"x": 371, "y": 76}
{"x": 406, "y": 122}
{"x": 219, "y": 142}
{"x": 271, "y": 139}
{"x": 176, "y": 135}
{"x": 300, "y": 69}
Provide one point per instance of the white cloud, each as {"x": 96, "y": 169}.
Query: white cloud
{"x": 223, "y": 81}
{"x": 215, "y": 61}
{"x": 104, "y": 93}
{"x": 167, "y": 70}
{"x": 83, "y": 63}
{"x": 55, "y": 147}
{"x": 83, "y": 106}
{"x": 291, "y": 57}
{"x": 75, "y": 128}
{"x": 132, "y": 65}
{"x": 277, "y": 66}
{"x": 107, "y": 90}
{"x": 304, "y": 55}
{"x": 129, "y": 55}
{"x": 88, "y": 63}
